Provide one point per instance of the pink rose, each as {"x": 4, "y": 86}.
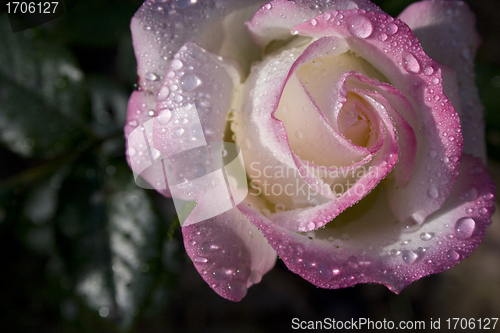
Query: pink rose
{"x": 362, "y": 136}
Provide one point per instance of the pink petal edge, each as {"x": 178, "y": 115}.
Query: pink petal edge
{"x": 397, "y": 53}
{"x": 447, "y": 32}
{"x": 447, "y": 237}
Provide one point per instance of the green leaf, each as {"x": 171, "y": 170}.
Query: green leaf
{"x": 41, "y": 95}
{"x": 109, "y": 105}
{"x": 110, "y": 239}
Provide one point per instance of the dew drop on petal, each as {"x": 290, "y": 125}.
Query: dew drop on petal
{"x": 435, "y": 80}
{"x": 324, "y": 272}
{"x": 182, "y": 4}
{"x": 164, "y": 116}
{"x": 391, "y": 29}
{"x": 359, "y": 26}
{"x": 428, "y": 70}
{"x": 464, "y": 228}
{"x": 310, "y": 226}
{"x": 410, "y": 63}
{"x": 432, "y": 153}
{"x": 409, "y": 256}
{"x": 382, "y": 37}
{"x": 433, "y": 192}
{"x": 176, "y": 64}
{"x": 452, "y": 255}
{"x": 488, "y": 196}
{"x": 151, "y": 77}
{"x": 189, "y": 82}
{"x": 483, "y": 211}
{"x": 425, "y": 236}
{"x": 238, "y": 289}
{"x": 219, "y": 273}
{"x": 471, "y": 194}
{"x": 200, "y": 260}
{"x": 163, "y": 93}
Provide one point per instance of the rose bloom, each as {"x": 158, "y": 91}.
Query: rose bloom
{"x": 361, "y": 134}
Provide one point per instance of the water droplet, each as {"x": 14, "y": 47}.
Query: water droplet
{"x": 219, "y": 273}
{"x": 133, "y": 123}
{"x": 164, "y": 116}
{"x": 471, "y": 194}
{"x": 488, "y": 196}
{"x": 391, "y": 29}
{"x": 189, "y": 82}
{"x": 299, "y": 134}
{"x": 237, "y": 289}
{"x": 464, "y": 228}
{"x": 409, "y": 256}
{"x": 182, "y": 4}
{"x": 432, "y": 192}
{"x": 151, "y": 113}
{"x": 395, "y": 252}
{"x": 382, "y": 37}
{"x": 483, "y": 211}
{"x": 314, "y": 22}
{"x": 163, "y": 94}
{"x": 428, "y": 70}
{"x": 359, "y": 26}
{"x": 410, "y": 63}
{"x": 324, "y": 272}
{"x": 200, "y": 260}
{"x": 310, "y": 226}
{"x": 151, "y": 77}
{"x": 435, "y": 80}
{"x": 432, "y": 153}
{"x": 452, "y": 255}
{"x": 425, "y": 236}
{"x": 176, "y": 64}
{"x": 179, "y": 131}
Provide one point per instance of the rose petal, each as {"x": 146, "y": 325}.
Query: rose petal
{"x": 194, "y": 100}
{"x": 229, "y": 253}
{"x": 368, "y": 245}
{"x": 447, "y": 32}
{"x": 274, "y": 20}
{"x": 398, "y": 55}
{"x": 141, "y": 155}
{"x": 160, "y": 28}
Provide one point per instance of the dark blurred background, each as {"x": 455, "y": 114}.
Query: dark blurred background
{"x": 83, "y": 249}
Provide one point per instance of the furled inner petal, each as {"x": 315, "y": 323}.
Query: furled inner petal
{"x": 398, "y": 55}
{"x": 306, "y": 125}
{"x": 310, "y": 135}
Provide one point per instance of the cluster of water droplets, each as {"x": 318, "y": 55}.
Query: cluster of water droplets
{"x": 224, "y": 263}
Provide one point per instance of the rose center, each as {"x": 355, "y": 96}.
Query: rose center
{"x": 354, "y": 122}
